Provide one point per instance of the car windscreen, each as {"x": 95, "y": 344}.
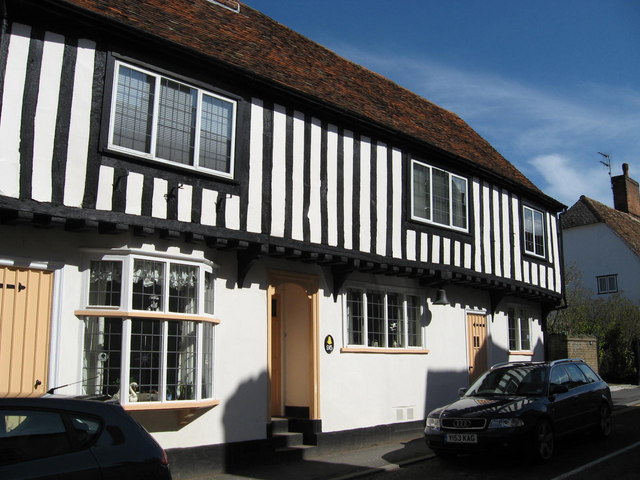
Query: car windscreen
{"x": 513, "y": 380}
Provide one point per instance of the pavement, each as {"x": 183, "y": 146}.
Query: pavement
{"x": 350, "y": 464}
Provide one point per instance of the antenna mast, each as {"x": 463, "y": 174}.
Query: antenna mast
{"x": 606, "y": 163}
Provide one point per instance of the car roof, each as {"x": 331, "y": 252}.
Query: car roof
{"x": 549, "y": 363}
{"x": 62, "y": 402}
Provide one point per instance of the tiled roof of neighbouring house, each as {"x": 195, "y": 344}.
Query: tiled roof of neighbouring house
{"x": 258, "y": 45}
{"x": 587, "y": 211}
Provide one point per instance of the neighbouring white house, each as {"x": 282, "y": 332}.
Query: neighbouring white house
{"x": 603, "y": 242}
{"x": 220, "y": 223}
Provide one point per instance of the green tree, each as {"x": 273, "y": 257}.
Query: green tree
{"x": 613, "y": 319}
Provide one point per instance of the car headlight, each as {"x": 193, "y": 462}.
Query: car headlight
{"x": 506, "y": 423}
{"x": 433, "y": 423}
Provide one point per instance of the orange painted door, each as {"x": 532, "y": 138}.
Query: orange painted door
{"x": 477, "y": 345}
{"x": 25, "y": 319}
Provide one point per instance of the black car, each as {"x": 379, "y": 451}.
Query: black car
{"x": 523, "y": 406}
{"x": 69, "y": 438}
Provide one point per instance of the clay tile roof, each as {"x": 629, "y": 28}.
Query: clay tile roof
{"x": 587, "y": 211}
{"x": 256, "y": 44}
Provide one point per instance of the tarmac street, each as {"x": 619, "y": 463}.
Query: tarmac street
{"x": 352, "y": 464}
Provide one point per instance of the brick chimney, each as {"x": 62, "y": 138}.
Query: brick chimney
{"x": 626, "y": 194}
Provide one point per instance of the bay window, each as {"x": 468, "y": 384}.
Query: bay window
{"x": 383, "y": 319}
{"x": 438, "y": 196}
{"x": 169, "y": 121}
{"x": 149, "y": 330}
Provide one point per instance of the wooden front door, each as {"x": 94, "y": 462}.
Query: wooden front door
{"x": 477, "y": 344}
{"x": 25, "y": 318}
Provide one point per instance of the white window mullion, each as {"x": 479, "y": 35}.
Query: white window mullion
{"x": 156, "y": 117}
{"x": 125, "y": 363}
{"x": 365, "y": 321}
{"x": 385, "y": 316}
{"x": 196, "y": 143}
{"x": 405, "y": 322}
{"x": 199, "y": 366}
{"x": 163, "y": 361}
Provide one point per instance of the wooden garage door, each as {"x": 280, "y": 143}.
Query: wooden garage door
{"x": 25, "y": 318}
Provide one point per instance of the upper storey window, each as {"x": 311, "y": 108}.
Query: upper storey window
{"x": 169, "y": 121}
{"x": 439, "y": 197}
{"x": 533, "y": 231}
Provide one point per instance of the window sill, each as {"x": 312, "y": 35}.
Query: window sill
{"x": 402, "y": 351}
{"x": 144, "y": 314}
{"x": 520, "y": 352}
{"x": 180, "y": 405}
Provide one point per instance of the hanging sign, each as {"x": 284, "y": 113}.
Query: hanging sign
{"x": 328, "y": 344}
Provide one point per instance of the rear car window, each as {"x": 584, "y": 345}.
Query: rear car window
{"x": 27, "y": 435}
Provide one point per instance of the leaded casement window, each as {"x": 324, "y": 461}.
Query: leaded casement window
{"x": 170, "y": 121}
{"x": 375, "y": 318}
{"x": 519, "y": 330}
{"x": 534, "y": 231}
{"x": 439, "y": 197}
{"x": 607, "y": 284}
{"x": 149, "y": 329}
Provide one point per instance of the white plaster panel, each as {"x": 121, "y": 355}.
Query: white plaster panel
{"x": 517, "y": 257}
{"x": 135, "y": 182}
{"x": 104, "y": 197}
{"x": 486, "y": 226}
{"x": 185, "y": 203}
{"x": 365, "y": 194}
{"x": 507, "y": 246}
{"x": 381, "y": 199}
{"x": 11, "y": 113}
{"x": 315, "y": 199}
{"x": 497, "y": 251}
{"x": 297, "y": 200}
{"x": 396, "y": 173}
{"x": 159, "y": 201}
{"x": 254, "y": 210}
{"x": 411, "y": 245}
{"x": 209, "y": 199}
{"x": 78, "y": 140}
{"x": 279, "y": 171}
{"x": 347, "y": 172}
{"x": 232, "y": 217}
{"x": 46, "y": 115}
{"x": 332, "y": 184}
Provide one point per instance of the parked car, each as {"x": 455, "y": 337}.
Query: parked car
{"x": 70, "y": 438}
{"x": 524, "y": 406}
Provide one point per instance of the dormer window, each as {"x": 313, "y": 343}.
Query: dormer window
{"x": 438, "y": 197}
{"x": 159, "y": 118}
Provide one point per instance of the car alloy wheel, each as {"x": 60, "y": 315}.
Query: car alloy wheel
{"x": 543, "y": 441}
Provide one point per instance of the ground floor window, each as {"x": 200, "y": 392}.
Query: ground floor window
{"x": 519, "y": 330}
{"x": 383, "y": 319}
{"x": 148, "y": 360}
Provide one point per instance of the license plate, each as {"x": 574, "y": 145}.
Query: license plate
{"x": 461, "y": 438}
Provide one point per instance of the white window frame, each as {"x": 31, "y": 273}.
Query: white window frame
{"x": 519, "y": 315}
{"x": 605, "y": 284}
{"x": 128, "y": 315}
{"x": 429, "y": 219}
{"x": 364, "y": 291}
{"x": 151, "y": 155}
{"x": 534, "y": 212}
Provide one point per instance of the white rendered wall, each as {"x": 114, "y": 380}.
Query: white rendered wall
{"x": 597, "y": 251}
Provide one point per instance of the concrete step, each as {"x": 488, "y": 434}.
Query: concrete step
{"x": 286, "y": 439}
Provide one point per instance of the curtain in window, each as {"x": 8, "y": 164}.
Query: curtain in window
{"x": 183, "y": 288}
{"x": 134, "y": 110}
{"x": 105, "y": 283}
{"x": 148, "y": 283}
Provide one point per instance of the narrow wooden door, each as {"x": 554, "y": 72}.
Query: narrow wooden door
{"x": 25, "y": 318}
{"x": 477, "y": 344}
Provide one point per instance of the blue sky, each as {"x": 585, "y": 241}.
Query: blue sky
{"x": 549, "y": 83}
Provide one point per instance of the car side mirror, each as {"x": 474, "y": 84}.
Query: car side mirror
{"x": 558, "y": 388}
{"x": 462, "y": 391}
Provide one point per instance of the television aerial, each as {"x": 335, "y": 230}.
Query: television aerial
{"x": 606, "y": 163}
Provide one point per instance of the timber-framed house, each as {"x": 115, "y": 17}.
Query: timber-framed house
{"x": 219, "y": 222}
